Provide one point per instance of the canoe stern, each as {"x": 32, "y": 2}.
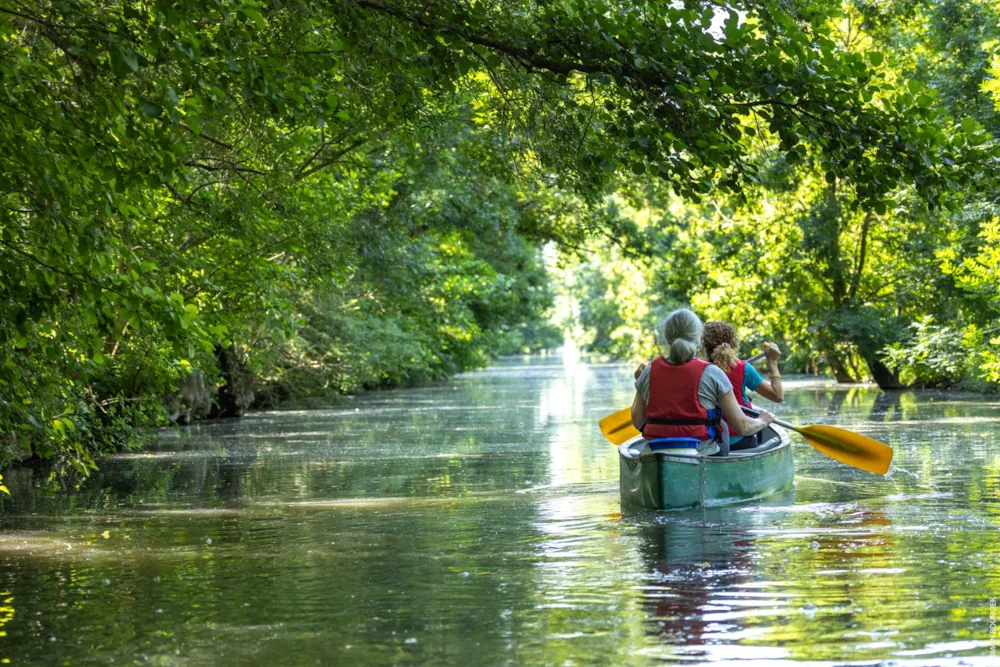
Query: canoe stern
{"x": 664, "y": 481}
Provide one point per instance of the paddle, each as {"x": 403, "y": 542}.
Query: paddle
{"x": 839, "y": 444}
{"x": 618, "y": 427}
{"x": 853, "y": 449}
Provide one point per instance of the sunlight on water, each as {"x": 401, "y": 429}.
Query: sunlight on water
{"x": 477, "y": 521}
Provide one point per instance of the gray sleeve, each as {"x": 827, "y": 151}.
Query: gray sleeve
{"x": 642, "y": 384}
{"x": 713, "y": 386}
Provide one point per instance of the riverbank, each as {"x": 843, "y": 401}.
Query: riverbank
{"x": 237, "y": 390}
{"x": 63, "y": 405}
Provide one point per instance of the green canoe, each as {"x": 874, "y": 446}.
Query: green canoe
{"x": 670, "y": 480}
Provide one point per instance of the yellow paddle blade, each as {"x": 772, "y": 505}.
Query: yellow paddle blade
{"x": 851, "y": 448}
{"x": 618, "y": 427}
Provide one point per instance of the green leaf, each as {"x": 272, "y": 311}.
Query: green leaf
{"x": 875, "y": 58}
{"x": 254, "y": 15}
{"x": 129, "y": 57}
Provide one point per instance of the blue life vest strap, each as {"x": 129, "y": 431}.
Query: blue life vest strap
{"x": 684, "y": 422}
{"x": 711, "y": 424}
{"x": 673, "y": 443}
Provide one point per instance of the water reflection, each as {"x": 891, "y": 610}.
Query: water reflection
{"x": 886, "y": 407}
{"x": 477, "y": 521}
{"x": 700, "y": 564}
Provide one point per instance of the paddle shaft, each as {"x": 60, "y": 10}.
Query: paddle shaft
{"x": 782, "y": 422}
{"x": 754, "y": 412}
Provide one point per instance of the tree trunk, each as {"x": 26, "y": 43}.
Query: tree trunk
{"x": 236, "y": 393}
{"x": 884, "y": 376}
{"x": 852, "y": 363}
{"x": 840, "y": 371}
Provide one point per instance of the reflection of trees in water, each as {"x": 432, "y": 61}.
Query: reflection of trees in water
{"x": 699, "y": 566}
{"x": 857, "y": 548}
{"x": 6, "y": 614}
{"x": 394, "y": 444}
{"x": 836, "y": 402}
{"x": 830, "y": 400}
{"x": 886, "y": 407}
{"x": 116, "y": 483}
{"x": 295, "y": 459}
{"x": 692, "y": 557}
{"x": 232, "y": 478}
{"x": 688, "y": 565}
{"x": 846, "y": 583}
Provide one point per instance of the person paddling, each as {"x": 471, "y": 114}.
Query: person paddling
{"x": 721, "y": 341}
{"x": 680, "y": 400}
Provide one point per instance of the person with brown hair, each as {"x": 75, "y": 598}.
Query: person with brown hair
{"x": 681, "y": 400}
{"x": 721, "y": 342}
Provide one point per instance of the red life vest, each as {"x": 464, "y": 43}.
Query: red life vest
{"x": 736, "y": 375}
{"x": 673, "y": 409}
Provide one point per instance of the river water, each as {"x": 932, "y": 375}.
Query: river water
{"x": 477, "y": 521}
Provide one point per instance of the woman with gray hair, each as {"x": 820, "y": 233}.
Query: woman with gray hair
{"x": 681, "y": 400}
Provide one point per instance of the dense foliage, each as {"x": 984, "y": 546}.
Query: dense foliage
{"x": 903, "y": 294}
{"x": 303, "y": 198}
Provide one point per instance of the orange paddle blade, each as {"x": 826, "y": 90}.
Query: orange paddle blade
{"x": 847, "y": 447}
{"x": 618, "y": 427}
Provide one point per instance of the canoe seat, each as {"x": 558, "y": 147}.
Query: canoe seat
{"x": 769, "y": 440}
{"x": 639, "y": 447}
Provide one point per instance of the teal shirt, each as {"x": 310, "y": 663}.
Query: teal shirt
{"x": 751, "y": 380}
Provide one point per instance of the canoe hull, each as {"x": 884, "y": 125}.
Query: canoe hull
{"x": 664, "y": 481}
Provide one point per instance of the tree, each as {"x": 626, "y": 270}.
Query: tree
{"x": 181, "y": 178}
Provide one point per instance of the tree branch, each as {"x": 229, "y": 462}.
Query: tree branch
{"x": 225, "y": 167}
{"x": 862, "y": 253}
{"x": 217, "y": 142}
{"x": 526, "y": 56}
